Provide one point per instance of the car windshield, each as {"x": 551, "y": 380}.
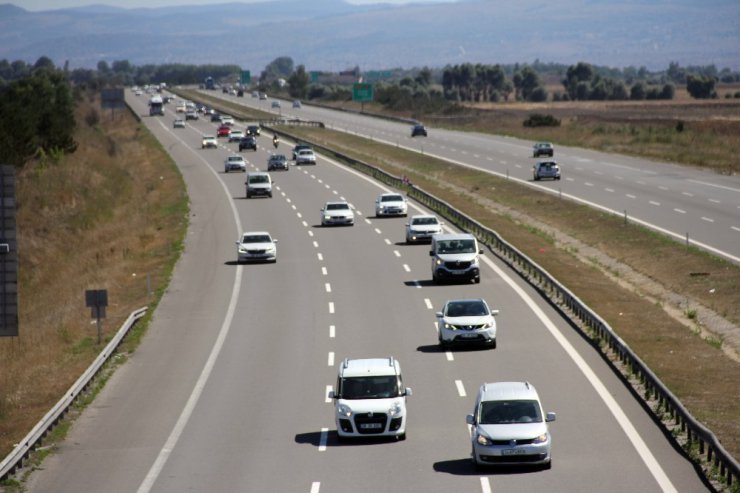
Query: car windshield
{"x": 305, "y": 152}
{"x": 456, "y": 246}
{"x": 278, "y": 157}
{"x": 259, "y": 179}
{"x": 256, "y": 239}
{"x": 377, "y": 387}
{"x": 391, "y": 198}
{"x": 236, "y": 158}
{"x": 336, "y": 207}
{"x": 473, "y": 308}
{"x": 506, "y": 412}
{"x": 424, "y": 220}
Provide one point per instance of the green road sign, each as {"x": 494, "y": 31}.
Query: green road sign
{"x": 315, "y": 76}
{"x": 246, "y": 77}
{"x": 362, "y": 92}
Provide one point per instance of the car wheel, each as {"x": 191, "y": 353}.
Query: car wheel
{"x": 476, "y": 465}
{"x": 548, "y": 466}
{"x": 401, "y": 437}
{"x": 476, "y": 280}
{"x": 493, "y": 344}
{"x": 226, "y": 170}
{"x": 249, "y": 196}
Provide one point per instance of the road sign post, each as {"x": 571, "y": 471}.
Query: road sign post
{"x": 246, "y": 77}
{"x": 97, "y": 300}
{"x": 363, "y": 93}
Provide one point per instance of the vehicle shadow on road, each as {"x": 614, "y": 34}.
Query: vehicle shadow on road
{"x": 464, "y": 467}
{"x": 332, "y": 440}
{"x": 431, "y": 348}
{"x": 426, "y": 283}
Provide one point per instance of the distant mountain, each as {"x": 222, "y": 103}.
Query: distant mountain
{"x": 334, "y": 35}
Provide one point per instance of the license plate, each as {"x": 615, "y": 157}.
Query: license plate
{"x": 469, "y": 336}
{"x": 371, "y": 426}
{"x": 513, "y": 451}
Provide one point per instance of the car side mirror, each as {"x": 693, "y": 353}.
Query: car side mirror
{"x": 274, "y": 240}
{"x": 550, "y": 417}
{"x": 237, "y": 243}
{"x": 470, "y": 419}
{"x": 480, "y": 252}
{"x": 431, "y": 253}
{"x": 493, "y": 312}
{"x": 332, "y": 395}
{"x": 408, "y": 392}
{"x": 439, "y": 314}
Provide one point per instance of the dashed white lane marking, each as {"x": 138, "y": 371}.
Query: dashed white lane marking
{"x": 326, "y": 394}
{"x": 368, "y": 221}
{"x": 735, "y": 228}
{"x": 387, "y": 241}
{"x": 331, "y": 307}
{"x": 680, "y": 211}
{"x": 406, "y": 268}
{"x": 611, "y": 190}
{"x": 631, "y": 196}
{"x": 588, "y": 184}
{"x": 660, "y": 187}
{"x": 378, "y": 231}
{"x": 652, "y": 202}
{"x": 287, "y": 199}
{"x": 315, "y": 487}
{"x": 322, "y": 440}
{"x": 321, "y": 257}
{"x": 449, "y": 355}
{"x": 396, "y": 253}
{"x": 688, "y": 194}
{"x": 342, "y": 197}
{"x": 316, "y": 244}
{"x": 332, "y": 332}
{"x": 310, "y": 233}
{"x": 327, "y": 286}
{"x": 292, "y": 206}
{"x": 709, "y": 220}
{"x": 320, "y": 180}
{"x": 335, "y": 192}
{"x": 327, "y": 186}
{"x": 460, "y": 388}
{"x": 569, "y": 179}
{"x": 417, "y": 284}
{"x": 305, "y": 224}
{"x": 714, "y": 201}
{"x": 324, "y": 271}
{"x": 330, "y": 359}
{"x": 428, "y": 303}
{"x": 485, "y": 486}
{"x": 299, "y": 215}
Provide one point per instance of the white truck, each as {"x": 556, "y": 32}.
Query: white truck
{"x": 156, "y": 106}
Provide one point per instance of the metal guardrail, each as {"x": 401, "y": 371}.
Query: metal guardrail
{"x": 292, "y": 122}
{"x": 697, "y": 435}
{"x": 21, "y": 451}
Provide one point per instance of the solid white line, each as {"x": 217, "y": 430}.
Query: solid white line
{"x": 731, "y": 189}
{"x": 327, "y": 399}
{"x": 174, "y": 436}
{"x": 460, "y": 388}
{"x": 428, "y": 303}
{"x": 322, "y": 440}
{"x": 485, "y": 485}
{"x": 327, "y": 286}
{"x": 315, "y": 486}
{"x": 629, "y": 430}
{"x": 332, "y": 332}
{"x": 331, "y": 307}
{"x": 330, "y": 360}
{"x": 406, "y": 268}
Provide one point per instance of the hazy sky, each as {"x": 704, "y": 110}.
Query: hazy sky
{"x": 36, "y": 5}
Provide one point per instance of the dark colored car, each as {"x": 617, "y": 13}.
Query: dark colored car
{"x": 299, "y": 147}
{"x": 543, "y": 149}
{"x": 215, "y": 117}
{"x": 277, "y": 161}
{"x": 419, "y": 130}
{"x": 253, "y": 130}
{"x": 248, "y": 142}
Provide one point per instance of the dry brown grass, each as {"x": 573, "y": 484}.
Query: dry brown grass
{"x": 105, "y": 217}
{"x": 696, "y": 370}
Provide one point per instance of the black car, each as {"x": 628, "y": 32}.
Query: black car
{"x": 248, "y": 142}
{"x": 418, "y": 130}
{"x": 299, "y": 147}
{"x": 253, "y": 130}
{"x": 215, "y": 117}
{"x": 277, "y": 161}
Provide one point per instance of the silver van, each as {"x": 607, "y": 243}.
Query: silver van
{"x": 258, "y": 183}
{"x": 455, "y": 256}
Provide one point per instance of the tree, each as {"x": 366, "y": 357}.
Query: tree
{"x": 700, "y": 86}
{"x": 279, "y": 68}
{"x": 298, "y": 83}
{"x": 638, "y": 91}
{"x": 574, "y": 76}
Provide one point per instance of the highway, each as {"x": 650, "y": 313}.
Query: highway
{"x": 228, "y": 390}
{"x": 677, "y": 200}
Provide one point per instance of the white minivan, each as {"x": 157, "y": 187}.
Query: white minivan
{"x": 455, "y": 256}
{"x": 258, "y": 183}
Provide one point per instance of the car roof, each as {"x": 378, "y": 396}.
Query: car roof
{"x": 337, "y": 202}
{"x": 256, "y": 233}
{"x": 454, "y": 236}
{"x": 499, "y": 391}
{"x": 391, "y": 194}
{"x": 369, "y": 367}
{"x": 548, "y": 161}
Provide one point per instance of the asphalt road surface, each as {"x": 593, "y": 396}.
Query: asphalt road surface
{"x": 228, "y": 390}
{"x": 680, "y": 201}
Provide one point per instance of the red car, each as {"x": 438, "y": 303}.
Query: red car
{"x": 223, "y": 131}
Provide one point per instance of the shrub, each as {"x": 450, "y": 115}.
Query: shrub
{"x": 540, "y": 120}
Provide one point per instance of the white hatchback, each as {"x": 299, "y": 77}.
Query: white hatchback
{"x": 235, "y": 162}
{"x": 467, "y": 321}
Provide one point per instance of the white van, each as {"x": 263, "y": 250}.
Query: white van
{"x": 455, "y": 256}
{"x": 258, "y": 183}
{"x": 370, "y": 399}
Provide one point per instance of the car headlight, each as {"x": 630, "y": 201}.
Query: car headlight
{"x": 395, "y": 410}
{"x": 488, "y": 325}
{"x": 344, "y": 410}
{"x": 242, "y": 250}
{"x": 540, "y": 439}
{"x": 327, "y": 216}
{"x": 438, "y": 262}
{"x": 483, "y": 440}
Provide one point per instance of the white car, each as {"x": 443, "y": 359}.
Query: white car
{"x": 275, "y": 104}
{"x": 508, "y": 426}
{"x": 338, "y": 212}
{"x": 235, "y": 162}
{"x": 305, "y": 156}
{"x": 296, "y": 103}
{"x": 370, "y": 399}
{"x": 209, "y": 141}
{"x": 256, "y": 246}
{"x": 422, "y": 227}
{"x": 227, "y": 120}
{"x": 467, "y": 321}
{"x": 178, "y": 123}
{"x": 390, "y": 204}
{"x": 236, "y": 135}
